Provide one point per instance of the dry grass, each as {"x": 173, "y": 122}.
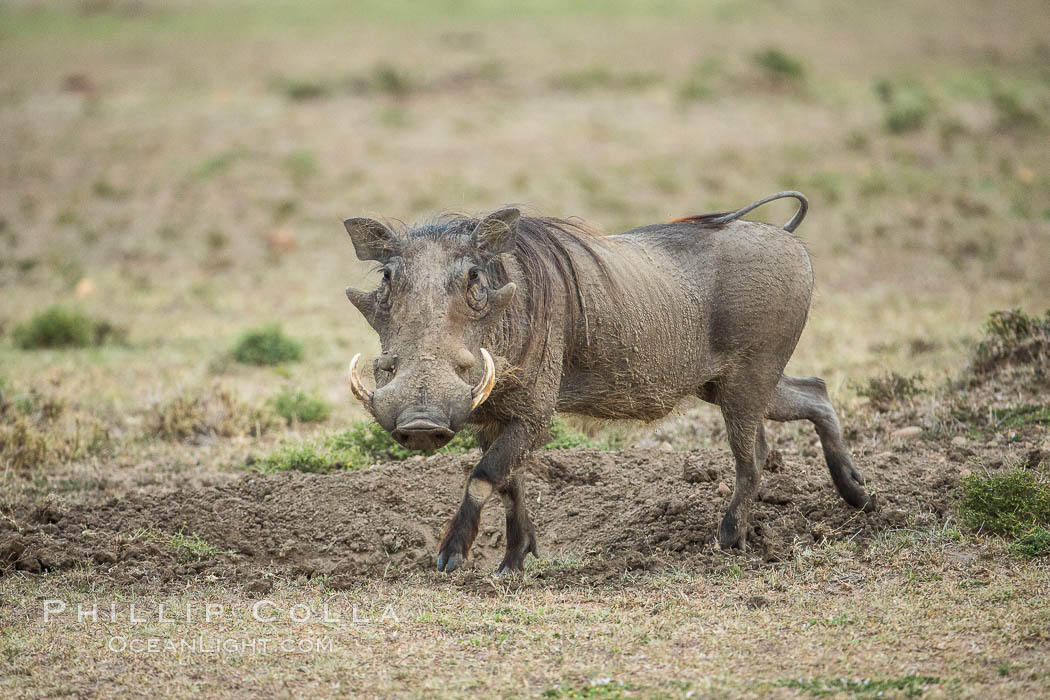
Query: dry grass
{"x": 181, "y": 170}
{"x": 913, "y": 606}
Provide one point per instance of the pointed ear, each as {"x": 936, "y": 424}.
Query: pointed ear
{"x": 495, "y": 233}
{"x": 372, "y": 239}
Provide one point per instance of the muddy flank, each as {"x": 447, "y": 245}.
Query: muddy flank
{"x": 597, "y": 513}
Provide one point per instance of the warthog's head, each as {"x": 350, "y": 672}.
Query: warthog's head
{"x": 432, "y": 310}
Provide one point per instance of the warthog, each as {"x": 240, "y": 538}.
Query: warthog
{"x": 501, "y": 321}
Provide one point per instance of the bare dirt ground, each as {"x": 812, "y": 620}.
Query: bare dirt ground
{"x": 628, "y": 510}
{"x": 179, "y": 171}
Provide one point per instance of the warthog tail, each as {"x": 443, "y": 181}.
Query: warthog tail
{"x": 723, "y": 218}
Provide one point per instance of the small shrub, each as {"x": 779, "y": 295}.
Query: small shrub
{"x": 1013, "y": 325}
{"x": 302, "y": 89}
{"x": 698, "y": 85}
{"x": 383, "y": 78}
{"x": 599, "y": 77}
{"x": 36, "y": 430}
{"x": 391, "y": 80}
{"x": 1013, "y": 114}
{"x": 40, "y": 407}
{"x": 23, "y": 446}
{"x": 901, "y": 118}
{"x": 207, "y": 415}
{"x": 779, "y": 66}
{"x": 297, "y": 406}
{"x": 1013, "y": 338}
{"x": 887, "y": 389}
{"x": 59, "y": 327}
{"x": 906, "y": 106}
{"x": 266, "y": 346}
{"x": 1015, "y": 505}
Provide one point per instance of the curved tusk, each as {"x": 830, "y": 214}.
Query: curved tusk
{"x": 363, "y": 395}
{"x": 484, "y": 387}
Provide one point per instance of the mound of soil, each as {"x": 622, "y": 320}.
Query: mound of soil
{"x": 636, "y": 509}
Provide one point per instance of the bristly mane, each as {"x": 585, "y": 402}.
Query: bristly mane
{"x": 704, "y": 220}
{"x": 545, "y": 250}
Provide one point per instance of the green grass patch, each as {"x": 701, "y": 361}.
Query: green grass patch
{"x": 907, "y": 106}
{"x": 296, "y": 406}
{"x": 266, "y": 346}
{"x": 779, "y": 65}
{"x": 909, "y": 686}
{"x": 218, "y": 163}
{"x": 302, "y": 89}
{"x": 601, "y": 78}
{"x": 1034, "y": 543}
{"x": 1015, "y": 505}
{"x": 369, "y": 438}
{"x": 1012, "y": 113}
{"x": 699, "y": 84}
{"x": 384, "y": 78}
{"x": 315, "y": 458}
{"x": 301, "y": 166}
{"x": 60, "y": 327}
{"x": 366, "y": 443}
{"x": 611, "y": 690}
{"x": 562, "y": 437}
{"x": 191, "y": 547}
{"x": 1020, "y": 416}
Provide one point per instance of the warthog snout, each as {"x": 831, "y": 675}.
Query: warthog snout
{"x": 422, "y": 430}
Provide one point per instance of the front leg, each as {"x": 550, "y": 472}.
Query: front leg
{"x": 521, "y": 538}
{"x": 501, "y": 459}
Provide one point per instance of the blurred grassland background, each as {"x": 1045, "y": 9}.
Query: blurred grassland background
{"x": 181, "y": 169}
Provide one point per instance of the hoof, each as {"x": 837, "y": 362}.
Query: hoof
{"x": 731, "y": 533}
{"x": 505, "y": 572}
{"x": 850, "y": 486}
{"x": 448, "y": 563}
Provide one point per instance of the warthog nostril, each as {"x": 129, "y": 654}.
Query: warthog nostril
{"x": 422, "y": 434}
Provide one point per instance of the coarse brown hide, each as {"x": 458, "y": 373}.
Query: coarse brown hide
{"x": 614, "y": 327}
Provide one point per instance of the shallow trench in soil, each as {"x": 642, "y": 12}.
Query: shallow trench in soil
{"x": 598, "y": 512}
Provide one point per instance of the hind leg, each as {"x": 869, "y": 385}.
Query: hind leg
{"x": 798, "y": 398}
{"x": 761, "y": 447}
{"x": 743, "y": 399}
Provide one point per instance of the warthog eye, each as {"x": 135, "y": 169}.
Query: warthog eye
{"x": 477, "y": 295}
{"x": 383, "y": 293}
